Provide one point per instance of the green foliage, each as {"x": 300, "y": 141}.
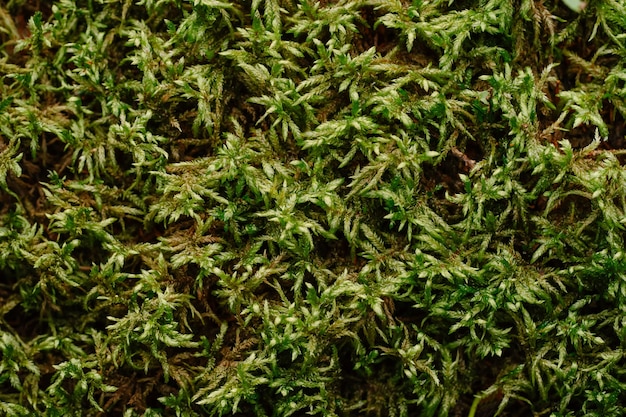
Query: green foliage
{"x": 275, "y": 208}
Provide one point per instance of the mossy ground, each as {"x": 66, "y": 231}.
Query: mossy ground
{"x": 290, "y": 207}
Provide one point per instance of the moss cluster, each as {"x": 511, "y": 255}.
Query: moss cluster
{"x": 297, "y": 207}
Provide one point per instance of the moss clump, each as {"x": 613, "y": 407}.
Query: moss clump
{"x": 290, "y": 207}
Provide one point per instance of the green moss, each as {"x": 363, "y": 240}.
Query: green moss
{"x": 288, "y": 207}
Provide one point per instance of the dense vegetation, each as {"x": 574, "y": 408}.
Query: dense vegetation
{"x": 295, "y": 207}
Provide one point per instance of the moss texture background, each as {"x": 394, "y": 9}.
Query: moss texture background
{"x": 294, "y": 207}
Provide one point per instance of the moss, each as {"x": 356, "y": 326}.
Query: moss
{"x": 377, "y": 208}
